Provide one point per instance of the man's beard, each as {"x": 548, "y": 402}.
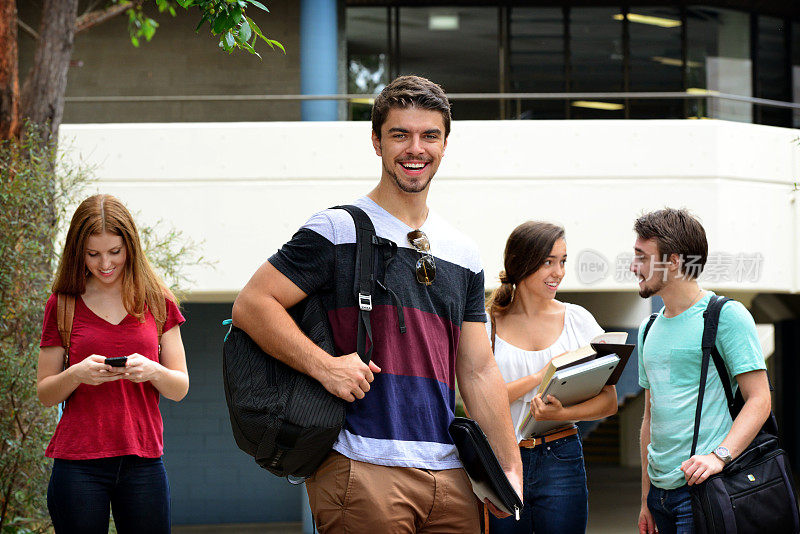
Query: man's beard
{"x": 648, "y": 292}
{"x": 417, "y": 187}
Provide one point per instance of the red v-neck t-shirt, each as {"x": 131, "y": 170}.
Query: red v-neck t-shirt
{"x": 115, "y": 418}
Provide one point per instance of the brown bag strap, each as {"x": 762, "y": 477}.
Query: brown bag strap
{"x": 65, "y": 315}
{"x": 162, "y": 304}
{"x": 494, "y": 329}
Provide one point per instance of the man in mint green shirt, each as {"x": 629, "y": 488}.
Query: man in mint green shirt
{"x": 670, "y": 252}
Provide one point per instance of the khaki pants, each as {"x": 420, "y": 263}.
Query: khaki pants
{"x": 351, "y": 497}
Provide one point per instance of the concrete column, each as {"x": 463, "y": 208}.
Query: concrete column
{"x": 319, "y": 58}
{"x": 308, "y": 521}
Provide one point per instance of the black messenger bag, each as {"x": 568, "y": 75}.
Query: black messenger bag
{"x": 755, "y": 493}
{"x": 283, "y": 418}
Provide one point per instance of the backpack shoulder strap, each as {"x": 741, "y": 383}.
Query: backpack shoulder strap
{"x": 650, "y": 322}
{"x": 65, "y": 316}
{"x": 710, "y": 326}
{"x": 364, "y": 278}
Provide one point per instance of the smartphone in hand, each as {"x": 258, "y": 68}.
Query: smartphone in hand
{"x": 119, "y": 361}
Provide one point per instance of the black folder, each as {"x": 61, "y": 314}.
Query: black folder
{"x": 623, "y": 351}
{"x": 489, "y": 481}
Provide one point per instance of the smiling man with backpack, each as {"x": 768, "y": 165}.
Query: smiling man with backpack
{"x": 670, "y": 252}
{"x": 394, "y": 466}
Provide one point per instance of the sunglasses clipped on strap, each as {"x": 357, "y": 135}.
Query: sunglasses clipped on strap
{"x": 426, "y": 266}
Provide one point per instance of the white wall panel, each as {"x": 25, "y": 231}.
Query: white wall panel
{"x": 244, "y": 188}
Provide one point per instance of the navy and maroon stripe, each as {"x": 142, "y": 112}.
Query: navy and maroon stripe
{"x": 406, "y": 408}
{"x": 426, "y": 350}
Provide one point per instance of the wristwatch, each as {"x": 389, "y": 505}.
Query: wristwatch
{"x": 723, "y": 454}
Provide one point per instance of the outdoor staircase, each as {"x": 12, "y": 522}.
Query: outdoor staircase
{"x": 601, "y": 446}
{"x": 602, "y": 439}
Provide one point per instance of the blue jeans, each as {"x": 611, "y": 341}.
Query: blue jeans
{"x": 671, "y": 509}
{"x": 81, "y": 491}
{"x": 554, "y": 491}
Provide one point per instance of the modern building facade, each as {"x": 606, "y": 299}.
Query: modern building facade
{"x": 582, "y": 113}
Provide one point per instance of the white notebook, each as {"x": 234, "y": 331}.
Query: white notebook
{"x": 572, "y": 385}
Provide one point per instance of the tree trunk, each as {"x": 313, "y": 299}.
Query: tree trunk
{"x": 9, "y": 75}
{"x": 44, "y": 89}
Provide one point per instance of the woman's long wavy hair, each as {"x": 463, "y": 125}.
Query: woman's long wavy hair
{"x": 142, "y": 289}
{"x": 527, "y": 248}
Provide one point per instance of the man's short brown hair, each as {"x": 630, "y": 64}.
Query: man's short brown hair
{"x": 676, "y": 232}
{"x": 406, "y": 92}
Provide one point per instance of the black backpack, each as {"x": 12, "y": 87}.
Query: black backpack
{"x": 755, "y": 492}
{"x": 283, "y": 418}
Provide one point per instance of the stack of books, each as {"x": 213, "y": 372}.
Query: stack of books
{"x": 579, "y": 375}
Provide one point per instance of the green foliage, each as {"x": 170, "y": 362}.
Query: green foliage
{"x": 226, "y": 18}
{"x": 140, "y": 26}
{"x": 27, "y": 230}
{"x": 170, "y": 251}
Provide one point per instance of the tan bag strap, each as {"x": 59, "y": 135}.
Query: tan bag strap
{"x": 494, "y": 329}
{"x": 159, "y": 324}
{"x": 65, "y": 315}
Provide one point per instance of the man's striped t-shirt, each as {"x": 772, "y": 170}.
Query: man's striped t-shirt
{"x": 403, "y": 419}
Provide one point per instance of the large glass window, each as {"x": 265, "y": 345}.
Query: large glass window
{"x": 537, "y": 61}
{"x": 655, "y": 60}
{"x": 456, "y": 48}
{"x": 796, "y": 72}
{"x": 579, "y": 49}
{"x": 597, "y": 55}
{"x": 719, "y": 60}
{"x": 772, "y": 73}
{"x": 367, "y": 56}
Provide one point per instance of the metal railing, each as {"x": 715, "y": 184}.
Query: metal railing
{"x": 706, "y": 96}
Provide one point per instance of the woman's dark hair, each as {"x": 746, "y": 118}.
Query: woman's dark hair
{"x": 406, "y": 92}
{"x": 527, "y": 249}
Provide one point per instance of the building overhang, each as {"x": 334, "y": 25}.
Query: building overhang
{"x": 243, "y": 189}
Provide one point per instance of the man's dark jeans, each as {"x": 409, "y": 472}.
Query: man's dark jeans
{"x": 671, "y": 509}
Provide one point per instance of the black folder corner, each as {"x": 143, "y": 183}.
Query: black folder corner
{"x": 489, "y": 481}
{"x": 623, "y": 351}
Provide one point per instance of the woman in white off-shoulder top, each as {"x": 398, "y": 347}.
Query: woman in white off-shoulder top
{"x": 528, "y": 327}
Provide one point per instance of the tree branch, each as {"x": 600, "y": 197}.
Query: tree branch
{"x": 90, "y": 6}
{"x": 93, "y": 18}
{"x": 30, "y": 31}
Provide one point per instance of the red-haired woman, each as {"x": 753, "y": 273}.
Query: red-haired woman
{"x": 529, "y": 327}
{"x": 108, "y": 444}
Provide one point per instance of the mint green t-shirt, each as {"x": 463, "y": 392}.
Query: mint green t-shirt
{"x": 669, "y": 366}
